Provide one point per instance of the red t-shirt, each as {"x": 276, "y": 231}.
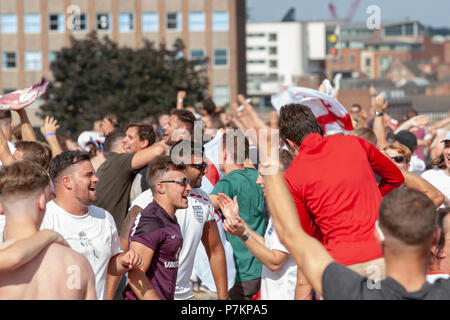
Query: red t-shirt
{"x": 333, "y": 185}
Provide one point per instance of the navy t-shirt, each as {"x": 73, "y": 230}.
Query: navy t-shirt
{"x": 155, "y": 229}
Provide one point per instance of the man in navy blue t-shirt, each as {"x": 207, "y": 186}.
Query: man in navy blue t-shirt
{"x": 156, "y": 234}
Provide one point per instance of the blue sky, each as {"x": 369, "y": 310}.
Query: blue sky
{"x": 435, "y": 13}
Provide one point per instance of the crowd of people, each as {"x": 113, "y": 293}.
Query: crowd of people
{"x": 141, "y": 210}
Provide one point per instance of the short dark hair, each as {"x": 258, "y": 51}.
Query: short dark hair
{"x": 113, "y": 119}
{"x": 408, "y": 215}
{"x": 236, "y": 137}
{"x": 296, "y": 122}
{"x": 65, "y": 160}
{"x": 145, "y": 132}
{"x": 356, "y": 105}
{"x": 159, "y": 166}
{"x": 186, "y": 117}
{"x": 112, "y": 138}
{"x": 36, "y": 152}
{"x": 209, "y": 105}
{"x": 286, "y": 158}
{"x": 216, "y": 122}
{"x": 177, "y": 151}
{"x": 5, "y": 118}
{"x": 22, "y": 177}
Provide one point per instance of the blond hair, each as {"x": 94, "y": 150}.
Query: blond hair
{"x": 400, "y": 148}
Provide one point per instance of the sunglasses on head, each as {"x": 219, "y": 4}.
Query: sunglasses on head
{"x": 399, "y": 159}
{"x": 184, "y": 181}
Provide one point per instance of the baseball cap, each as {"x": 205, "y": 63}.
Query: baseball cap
{"x": 406, "y": 138}
{"x": 447, "y": 137}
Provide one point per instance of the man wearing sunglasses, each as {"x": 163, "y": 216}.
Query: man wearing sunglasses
{"x": 156, "y": 234}
{"x": 401, "y": 157}
{"x": 196, "y": 222}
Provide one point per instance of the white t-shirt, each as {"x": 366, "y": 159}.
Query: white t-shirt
{"x": 191, "y": 220}
{"x": 439, "y": 180}
{"x": 278, "y": 285}
{"x": 94, "y": 235}
{"x": 417, "y": 165}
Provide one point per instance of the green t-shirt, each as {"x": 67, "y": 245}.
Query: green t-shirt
{"x": 250, "y": 197}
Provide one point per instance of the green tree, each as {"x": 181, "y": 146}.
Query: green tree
{"x": 95, "y": 77}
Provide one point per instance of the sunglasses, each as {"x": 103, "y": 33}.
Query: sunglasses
{"x": 184, "y": 182}
{"x": 202, "y": 166}
{"x": 399, "y": 159}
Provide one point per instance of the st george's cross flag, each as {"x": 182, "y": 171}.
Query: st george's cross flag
{"x": 19, "y": 99}
{"x": 331, "y": 115}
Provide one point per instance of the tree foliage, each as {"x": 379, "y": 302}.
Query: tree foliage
{"x": 95, "y": 77}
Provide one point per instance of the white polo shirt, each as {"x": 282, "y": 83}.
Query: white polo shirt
{"x": 191, "y": 220}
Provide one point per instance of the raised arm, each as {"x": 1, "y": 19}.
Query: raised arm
{"x": 5, "y": 154}
{"x": 378, "y": 124}
{"x": 48, "y": 130}
{"x": 143, "y": 157}
{"x": 233, "y": 224}
{"x": 181, "y": 95}
{"x": 26, "y": 128}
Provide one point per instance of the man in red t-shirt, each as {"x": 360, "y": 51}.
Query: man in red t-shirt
{"x": 333, "y": 185}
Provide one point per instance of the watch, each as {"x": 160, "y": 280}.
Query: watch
{"x": 245, "y": 236}
{"x": 378, "y": 113}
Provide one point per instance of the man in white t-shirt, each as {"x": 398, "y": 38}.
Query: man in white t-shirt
{"x": 196, "y": 223}
{"x": 88, "y": 229}
{"x": 439, "y": 176}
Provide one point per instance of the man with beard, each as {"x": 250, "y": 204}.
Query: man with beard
{"x": 88, "y": 229}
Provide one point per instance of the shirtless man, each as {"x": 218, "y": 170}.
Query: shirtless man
{"x": 57, "y": 272}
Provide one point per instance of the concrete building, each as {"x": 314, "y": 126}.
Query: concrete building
{"x": 33, "y": 31}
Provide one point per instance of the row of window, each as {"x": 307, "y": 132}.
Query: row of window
{"x": 272, "y": 63}
{"x": 33, "y": 59}
{"x": 150, "y": 22}
{"x": 272, "y": 50}
{"x": 272, "y": 36}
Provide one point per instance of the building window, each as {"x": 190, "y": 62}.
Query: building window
{"x": 221, "y": 95}
{"x": 351, "y": 58}
{"x": 33, "y": 60}
{"x": 196, "y": 21}
{"x": 272, "y": 37}
{"x": 9, "y": 23}
{"x": 125, "y": 22}
{"x": 198, "y": 54}
{"x": 174, "y": 21}
{"x": 256, "y": 61}
{"x": 32, "y": 23}
{"x": 273, "y": 64}
{"x": 9, "y": 60}
{"x": 103, "y": 21}
{"x": 273, "y": 50}
{"x": 368, "y": 62}
{"x": 150, "y": 21}
{"x": 79, "y": 22}
{"x": 220, "y": 57}
{"x": 220, "y": 21}
{"x": 255, "y": 35}
{"x": 52, "y": 56}
{"x": 56, "y": 22}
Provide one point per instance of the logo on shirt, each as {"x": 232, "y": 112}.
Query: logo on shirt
{"x": 173, "y": 237}
{"x": 170, "y": 264}
{"x": 198, "y": 213}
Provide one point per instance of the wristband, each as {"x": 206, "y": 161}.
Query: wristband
{"x": 245, "y": 236}
{"x": 49, "y": 134}
{"x": 180, "y": 100}
{"x": 378, "y": 114}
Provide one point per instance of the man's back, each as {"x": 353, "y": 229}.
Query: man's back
{"x": 334, "y": 188}
{"x": 57, "y": 273}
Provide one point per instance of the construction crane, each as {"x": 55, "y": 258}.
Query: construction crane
{"x": 351, "y": 13}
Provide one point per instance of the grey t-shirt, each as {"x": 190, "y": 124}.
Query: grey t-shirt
{"x": 341, "y": 283}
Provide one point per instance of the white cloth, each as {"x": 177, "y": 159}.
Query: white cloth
{"x": 417, "y": 165}
{"x": 94, "y": 235}
{"x": 431, "y": 278}
{"x": 191, "y": 220}
{"x": 280, "y": 284}
{"x": 439, "y": 180}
